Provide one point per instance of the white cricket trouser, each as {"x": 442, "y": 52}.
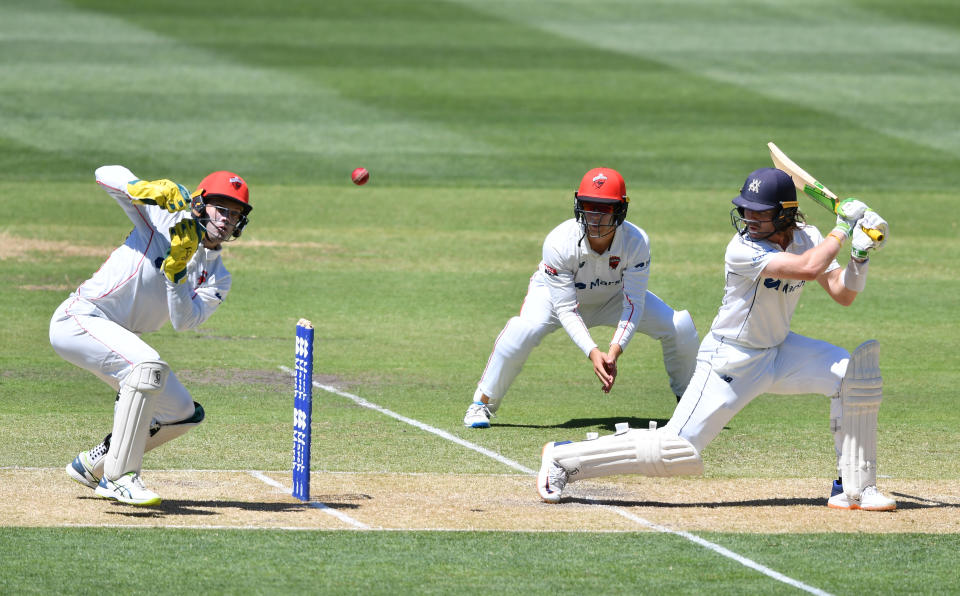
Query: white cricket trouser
{"x": 537, "y": 319}
{"x": 110, "y": 352}
{"x": 729, "y": 376}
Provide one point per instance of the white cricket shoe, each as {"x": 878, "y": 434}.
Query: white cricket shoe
{"x": 127, "y": 489}
{"x": 870, "y": 499}
{"x": 552, "y": 478}
{"x": 478, "y": 415}
{"x": 87, "y": 467}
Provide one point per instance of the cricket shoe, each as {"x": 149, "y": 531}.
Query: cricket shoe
{"x": 87, "y": 467}
{"x": 127, "y": 489}
{"x": 478, "y": 415}
{"x": 870, "y": 499}
{"x": 552, "y": 478}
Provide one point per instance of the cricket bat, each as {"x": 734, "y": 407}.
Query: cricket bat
{"x": 811, "y": 187}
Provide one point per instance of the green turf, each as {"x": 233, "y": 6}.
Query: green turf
{"x": 476, "y": 120}
{"x": 325, "y": 562}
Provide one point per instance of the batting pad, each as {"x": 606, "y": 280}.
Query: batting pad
{"x": 861, "y": 392}
{"x": 131, "y": 418}
{"x": 629, "y": 451}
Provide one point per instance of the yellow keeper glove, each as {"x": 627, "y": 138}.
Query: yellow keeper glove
{"x": 184, "y": 240}
{"x": 166, "y": 193}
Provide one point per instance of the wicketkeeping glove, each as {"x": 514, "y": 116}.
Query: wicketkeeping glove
{"x": 849, "y": 211}
{"x": 166, "y": 193}
{"x": 862, "y": 243}
{"x": 184, "y": 239}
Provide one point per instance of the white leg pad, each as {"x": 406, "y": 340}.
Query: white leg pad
{"x": 132, "y": 414}
{"x": 629, "y": 451}
{"x": 861, "y": 392}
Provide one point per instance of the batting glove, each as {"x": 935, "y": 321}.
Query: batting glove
{"x": 184, "y": 240}
{"x": 849, "y": 212}
{"x": 166, "y": 193}
{"x": 862, "y": 244}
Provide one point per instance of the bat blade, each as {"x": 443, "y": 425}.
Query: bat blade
{"x": 803, "y": 180}
{"x": 810, "y": 186}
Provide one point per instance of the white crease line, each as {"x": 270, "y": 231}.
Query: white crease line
{"x": 721, "y": 551}
{"x": 430, "y": 429}
{"x": 517, "y": 466}
{"x": 315, "y": 504}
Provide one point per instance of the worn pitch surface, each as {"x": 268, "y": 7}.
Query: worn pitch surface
{"x": 388, "y": 501}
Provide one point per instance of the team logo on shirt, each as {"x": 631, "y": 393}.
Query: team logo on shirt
{"x": 784, "y": 286}
{"x": 614, "y": 261}
{"x": 549, "y": 270}
{"x": 599, "y": 180}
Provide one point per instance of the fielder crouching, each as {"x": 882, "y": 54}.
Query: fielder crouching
{"x": 168, "y": 269}
{"x": 750, "y": 350}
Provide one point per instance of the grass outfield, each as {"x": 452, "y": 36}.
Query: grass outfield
{"x": 464, "y": 563}
{"x": 476, "y": 120}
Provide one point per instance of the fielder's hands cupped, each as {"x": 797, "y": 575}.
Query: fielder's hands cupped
{"x": 605, "y": 366}
{"x": 862, "y": 243}
{"x": 184, "y": 240}
{"x": 166, "y": 193}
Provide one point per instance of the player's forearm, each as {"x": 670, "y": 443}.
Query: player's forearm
{"x": 189, "y": 308}
{"x": 575, "y": 327}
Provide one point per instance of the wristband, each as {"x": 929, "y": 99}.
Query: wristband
{"x": 838, "y": 235}
{"x": 855, "y": 275}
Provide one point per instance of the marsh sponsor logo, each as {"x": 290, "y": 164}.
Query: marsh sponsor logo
{"x": 599, "y": 283}
{"x": 780, "y": 285}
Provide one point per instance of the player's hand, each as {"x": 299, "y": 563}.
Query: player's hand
{"x": 605, "y": 367}
{"x": 849, "y": 212}
{"x": 184, "y": 240}
{"x": 166, "y": 193}
{"x": 862, "y": 243}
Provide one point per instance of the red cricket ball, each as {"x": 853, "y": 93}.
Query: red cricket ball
{"x": 360, "y": 176}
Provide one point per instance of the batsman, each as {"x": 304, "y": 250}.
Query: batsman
{"x": 168, "y": 269}
{"x": 750, "y": 350}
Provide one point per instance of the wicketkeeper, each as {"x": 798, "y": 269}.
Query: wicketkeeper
{"x": 169, "y": 269}
{"x": 750, "y": 350}
{"x": 594, "y": 272}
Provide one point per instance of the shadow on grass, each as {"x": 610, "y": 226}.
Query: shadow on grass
{"x": 608, "y": 423}
{"x": 218, "y": 507}
{"x": 904, "y": 502}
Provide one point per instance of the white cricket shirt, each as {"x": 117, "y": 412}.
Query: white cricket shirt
{"x": 131, "y": 290}
{"x": 577, "y": 277}
{"x": 757, "y": 309}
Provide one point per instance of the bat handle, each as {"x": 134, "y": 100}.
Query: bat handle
{"x": 875, "y": 235}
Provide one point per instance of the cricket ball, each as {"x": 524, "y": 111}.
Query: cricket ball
{"x": 360, "y": 176}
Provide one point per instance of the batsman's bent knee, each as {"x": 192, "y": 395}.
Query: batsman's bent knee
{"x": 650, "y": 452}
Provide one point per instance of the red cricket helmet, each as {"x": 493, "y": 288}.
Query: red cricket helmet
{"x": 604, "y": 186}
{"x": 224, "y": 185}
